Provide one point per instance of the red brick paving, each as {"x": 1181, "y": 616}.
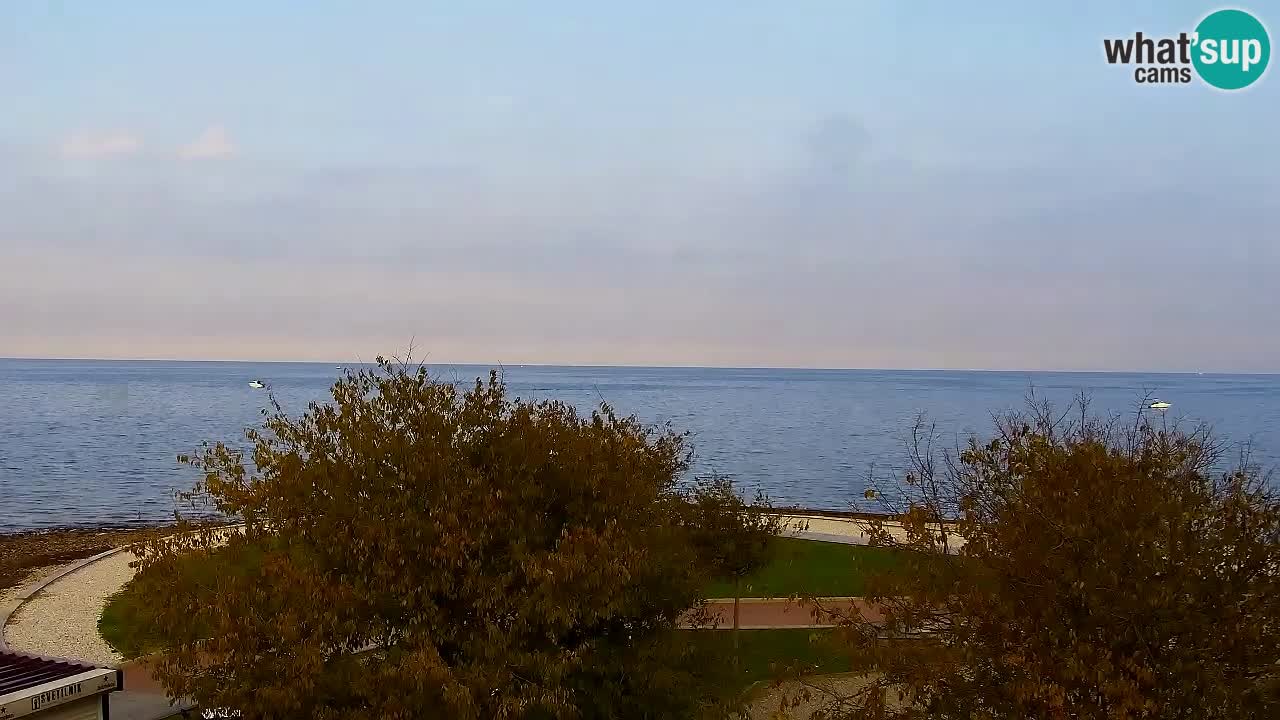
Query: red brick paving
{"x": 755, "y": 613}
{"x": 137, "y": 678}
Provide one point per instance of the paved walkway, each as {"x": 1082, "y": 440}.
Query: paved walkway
{"x": 61, "y": 619}
{"x": 848, "y": 531}
{"x": 144, "y": 698}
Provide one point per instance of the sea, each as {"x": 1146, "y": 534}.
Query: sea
{"x": 87, "y": 443}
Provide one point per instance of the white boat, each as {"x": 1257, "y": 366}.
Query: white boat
{"x": 1160, "y": 405}
{"x": 256, "y": 384}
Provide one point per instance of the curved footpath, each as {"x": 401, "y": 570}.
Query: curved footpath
{"x": 61, "y": 619}
{"x": 58, "y": 615}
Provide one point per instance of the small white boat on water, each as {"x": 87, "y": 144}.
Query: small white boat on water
{"x": 1160, "y": 405}
{"x": 256, "y": 384}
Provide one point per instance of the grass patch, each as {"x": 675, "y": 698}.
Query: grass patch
{"x": 126, "y": 620}
{"x": 125, "y": 623}
{"x": 797, "y": 566}
{"x": 764, "y": 655}
{"x": 812, "y": 567}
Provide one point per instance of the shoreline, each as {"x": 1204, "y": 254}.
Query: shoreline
{"x": 140, "y": 525}
{"x": 133, "y": 526}
{"x": 25, "y": 553}
{"x": 835, "y": 514}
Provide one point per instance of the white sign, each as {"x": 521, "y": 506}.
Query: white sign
{"x": 25, "y": 702}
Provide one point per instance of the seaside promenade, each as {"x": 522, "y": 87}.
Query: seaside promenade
{"x": 58, "y": 614}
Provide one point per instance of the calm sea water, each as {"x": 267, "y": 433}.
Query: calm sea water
{"x": 95, "y": 442}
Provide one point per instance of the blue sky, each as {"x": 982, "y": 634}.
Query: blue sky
{"x": 834, "y": 184}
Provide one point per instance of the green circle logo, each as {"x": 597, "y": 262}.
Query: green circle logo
{"x": 1232, "y": 49}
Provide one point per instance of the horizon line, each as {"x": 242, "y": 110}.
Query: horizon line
{"x": 500, "y": 365}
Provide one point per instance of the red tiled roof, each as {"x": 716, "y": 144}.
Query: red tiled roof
{"x": 19, "y": 672}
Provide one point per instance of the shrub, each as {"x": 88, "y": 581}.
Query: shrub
{"x": 417, "y": 550}
{"x": 1078, "y": 568}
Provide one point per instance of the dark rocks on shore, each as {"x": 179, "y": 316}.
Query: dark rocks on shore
{"x": 23, "y": 552}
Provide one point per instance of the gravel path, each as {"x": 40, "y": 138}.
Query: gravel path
{"x": 62, "y": 620}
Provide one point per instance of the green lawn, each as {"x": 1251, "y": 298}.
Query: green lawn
{"x": 125, "y": 627}
{"x": 768, "y": 654}
{"x": 125, "y": 623}
{"x": 797, "y": 566}
{"x": 807, "y": 566}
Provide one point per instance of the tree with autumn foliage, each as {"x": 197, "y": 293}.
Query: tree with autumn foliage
{"x": 1072, "y": 567}
{"x": 415, "y": 549}
{"x": 733, "y": 536}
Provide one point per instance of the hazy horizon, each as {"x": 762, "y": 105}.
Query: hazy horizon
{"x": 801, "y": 185}
{"x": 500, "y": 364}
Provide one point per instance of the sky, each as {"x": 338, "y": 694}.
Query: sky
{"x": 752, "y": 184}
